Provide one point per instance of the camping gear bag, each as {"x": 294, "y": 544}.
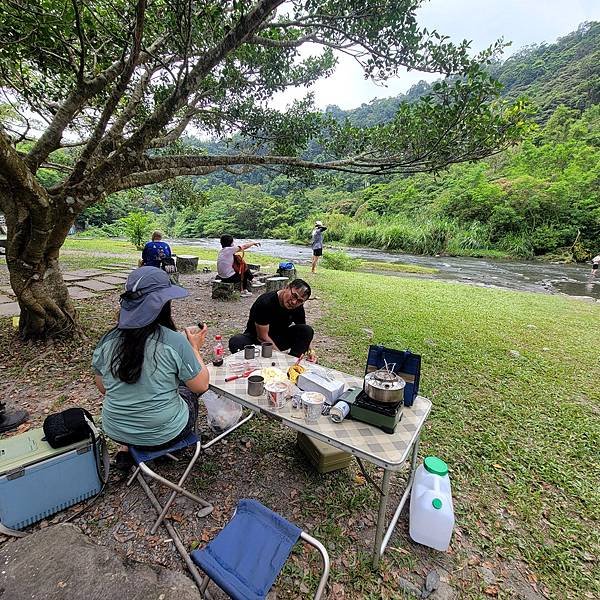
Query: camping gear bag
{"x": 37, "y": 480}
{"x": 406, "y": 364}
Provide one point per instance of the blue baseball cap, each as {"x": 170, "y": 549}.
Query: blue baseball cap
{"x": 147, "y": 290}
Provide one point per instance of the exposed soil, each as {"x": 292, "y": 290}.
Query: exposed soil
{"x": 261, "y": 461}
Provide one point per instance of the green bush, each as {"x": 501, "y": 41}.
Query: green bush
{"x": 138, "y": 226}
{"x": 340, "y": 261}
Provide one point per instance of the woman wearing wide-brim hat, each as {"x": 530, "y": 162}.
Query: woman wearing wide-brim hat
{"x": 150, "y": 374}
{"x": 317, "y": 244}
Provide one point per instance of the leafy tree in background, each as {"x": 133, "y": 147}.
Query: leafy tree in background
{"x": 121, "y": 82}
{"x": 137, "y": 227}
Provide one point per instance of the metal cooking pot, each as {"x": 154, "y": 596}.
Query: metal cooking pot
{"x": 384, "y": 386}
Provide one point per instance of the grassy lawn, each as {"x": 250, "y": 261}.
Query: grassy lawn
{"x": 395, "y": 267}
{"x": 514, "y": 379}
{"x": 85, "y": 252}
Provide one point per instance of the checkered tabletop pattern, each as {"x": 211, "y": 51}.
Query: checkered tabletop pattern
{"x": 363, "y": 440}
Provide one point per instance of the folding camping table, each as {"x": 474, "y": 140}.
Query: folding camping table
{"x": 365, "y": 442}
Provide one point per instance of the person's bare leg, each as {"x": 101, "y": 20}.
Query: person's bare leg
{"x": 314, "y": 264}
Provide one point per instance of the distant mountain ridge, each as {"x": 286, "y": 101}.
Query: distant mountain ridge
{"x": 566, "y": 72}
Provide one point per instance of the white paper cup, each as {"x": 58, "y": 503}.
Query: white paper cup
{"x": 312, "y": 403}
{"x": 276, "y": 393}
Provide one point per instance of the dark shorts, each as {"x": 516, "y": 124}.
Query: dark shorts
{"x": 318, "y": 252}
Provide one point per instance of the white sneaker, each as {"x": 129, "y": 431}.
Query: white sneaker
{"x": 245, "y": 294}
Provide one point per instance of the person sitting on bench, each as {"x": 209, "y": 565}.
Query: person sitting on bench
{"x": 278, "y": 317}
{"x": 157, "y": 253}
{"x": 231, "y": 268}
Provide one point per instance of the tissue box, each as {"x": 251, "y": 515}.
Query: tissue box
{"x": 311, "y": 381}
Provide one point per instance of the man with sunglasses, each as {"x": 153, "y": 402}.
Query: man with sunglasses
{"x": 279, "y": 318}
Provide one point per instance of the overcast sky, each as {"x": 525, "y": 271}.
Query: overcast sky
{"x": 523, "y": 22}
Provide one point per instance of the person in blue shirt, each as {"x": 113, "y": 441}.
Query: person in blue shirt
{"x": 150, "y": 374}
{"x": 156, "y": 251}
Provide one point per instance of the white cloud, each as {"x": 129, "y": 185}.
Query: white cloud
{"x": 523, "y": 22}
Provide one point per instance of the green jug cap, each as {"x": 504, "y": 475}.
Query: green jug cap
{"x": 436, "y": 465}
{"x": 436, "y": 503}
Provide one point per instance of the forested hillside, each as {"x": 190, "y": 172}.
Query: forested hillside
{"x": 540, "y": 198}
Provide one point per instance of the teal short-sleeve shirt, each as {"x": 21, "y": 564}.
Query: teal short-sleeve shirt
{"x": 150, "y": 411}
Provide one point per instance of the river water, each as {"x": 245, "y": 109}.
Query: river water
{"x": 569, "y": 279}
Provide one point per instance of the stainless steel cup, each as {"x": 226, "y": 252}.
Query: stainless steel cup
{"x": 249, "y": 352}
{"x": 267, "y": 349}
{"x": 256, "y": 385}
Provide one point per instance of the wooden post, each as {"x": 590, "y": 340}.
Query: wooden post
{"x": 276, "y": 283}
{"x": 187, "y": 263}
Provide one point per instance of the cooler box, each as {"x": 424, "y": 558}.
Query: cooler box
{"x": 37, "y": 480}
{"x": 324, "y": 457}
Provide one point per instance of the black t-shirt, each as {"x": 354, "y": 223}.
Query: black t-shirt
{"x": 266, "y": 310}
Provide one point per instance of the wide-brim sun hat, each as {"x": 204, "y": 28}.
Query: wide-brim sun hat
{"x": 147, "y": 290}
{"x": 319, "y": 223}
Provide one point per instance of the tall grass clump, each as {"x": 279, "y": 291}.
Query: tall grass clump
{"x": 340, "y": 261}
{"x": 517, "y": 245}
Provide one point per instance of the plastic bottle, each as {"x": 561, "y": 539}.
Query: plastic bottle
{"x": 218, "y": 351}
{"x": 431, "y": 517}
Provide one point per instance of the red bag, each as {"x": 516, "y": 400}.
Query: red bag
{"x": 239, "y": 264}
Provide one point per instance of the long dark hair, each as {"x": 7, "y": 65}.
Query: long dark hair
{"x": 128, "y": 355}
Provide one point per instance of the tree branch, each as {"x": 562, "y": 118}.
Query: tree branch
{"x": 115, "y": 96}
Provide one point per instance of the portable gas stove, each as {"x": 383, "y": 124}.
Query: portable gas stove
{"x": 364, "y": 409}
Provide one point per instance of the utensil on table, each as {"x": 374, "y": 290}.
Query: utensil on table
{"x": 241, "y": 376}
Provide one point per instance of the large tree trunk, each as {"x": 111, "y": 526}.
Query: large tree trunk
{"x": 46, "y": 308}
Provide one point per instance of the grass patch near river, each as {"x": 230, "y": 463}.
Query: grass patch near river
{"x": 88, "y": 252}
{"x": 514, "y": 380}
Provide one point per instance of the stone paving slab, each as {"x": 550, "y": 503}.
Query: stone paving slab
{"x": 5, "y": 299}
{"x": 114, "y": 279}
{"x": 120, "y": 267}
{"x": 119, "y": 274}
{"x": 79, "y": 293}
{"x": 71, "y": 277}
{"x": 11, "y": 309}
{"x": 86, "y": 272}
{"x": 97, "y": 286}
{"x": 7, "y": 290}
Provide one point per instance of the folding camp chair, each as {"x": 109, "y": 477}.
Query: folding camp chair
{"x": 247, "y": 555}
{"x": 142, "y": 457}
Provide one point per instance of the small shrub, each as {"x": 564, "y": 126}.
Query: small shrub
{"x": 340, "y": 261}
{"x": 138, "y": 226}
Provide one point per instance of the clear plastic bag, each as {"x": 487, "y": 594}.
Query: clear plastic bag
{"x": 222, "y": 413}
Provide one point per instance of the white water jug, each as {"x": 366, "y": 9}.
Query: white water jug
{"x": 431, "y": 512}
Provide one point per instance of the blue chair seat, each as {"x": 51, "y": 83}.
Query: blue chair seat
{"x": 248, "y": 554}
{"x": 148, "y": 455}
